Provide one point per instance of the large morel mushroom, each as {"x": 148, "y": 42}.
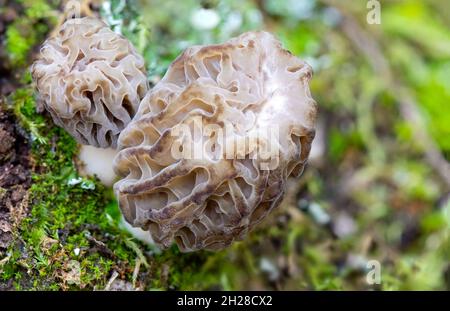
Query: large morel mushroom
{"x": 241, "y": 88}
{"x": 91, "y": 80}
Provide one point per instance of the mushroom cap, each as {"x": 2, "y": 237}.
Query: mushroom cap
{"x": 91, "y": 80}
{"x": 230, "y": 102}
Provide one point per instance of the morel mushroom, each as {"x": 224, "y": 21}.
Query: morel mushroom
{"x": 91, "y": 81}
{"x": 237, "y": 95}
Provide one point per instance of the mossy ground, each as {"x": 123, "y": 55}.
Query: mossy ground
{"x": 371, "y": 175}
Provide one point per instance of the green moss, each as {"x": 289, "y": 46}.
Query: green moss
{"x": 18, "y": 43}
{"x": 28, "y": 30}
{"x": 24, "y": 108}
{"x": 62, "y": 217}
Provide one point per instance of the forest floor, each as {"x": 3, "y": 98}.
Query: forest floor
{"x": 375, "y": 191}
{"x": 15, "y": 177}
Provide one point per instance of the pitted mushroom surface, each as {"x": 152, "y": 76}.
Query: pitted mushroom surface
{"x": 208, "y": 154}
{"x": 91, "y": 80}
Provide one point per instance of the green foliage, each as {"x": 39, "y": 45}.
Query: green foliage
{"x": 28, "y": 30}
{"x": 428, "y": 67}
{"x": 24, "y": 109}
{"x": 18, "y": 44}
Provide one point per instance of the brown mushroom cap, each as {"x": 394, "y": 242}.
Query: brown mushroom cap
{"x": 247, "y": 85}
{"x": 91, "y": 80}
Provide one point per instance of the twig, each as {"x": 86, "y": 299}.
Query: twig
{"x": 5, "y": 260}
{"x": 136, "y": 271}
{"x": 111, "y": 280}
{"x": 137, "y": 250}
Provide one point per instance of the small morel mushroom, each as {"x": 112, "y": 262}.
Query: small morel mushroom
{"x": 91, "y": 80}
{"x": 207, "y": 155}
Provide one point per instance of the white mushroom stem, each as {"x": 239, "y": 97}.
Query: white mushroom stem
{"x": 137, "y": 233}
{"x": 98, "y": 162}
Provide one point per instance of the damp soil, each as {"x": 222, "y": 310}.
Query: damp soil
{"x": 15, "y": 176}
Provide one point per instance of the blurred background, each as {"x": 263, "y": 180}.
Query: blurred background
{"x": 371, "y": 210}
